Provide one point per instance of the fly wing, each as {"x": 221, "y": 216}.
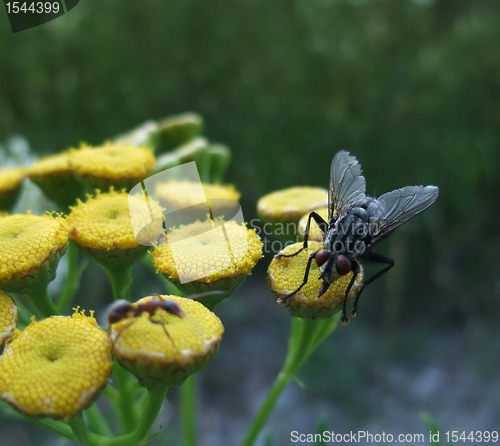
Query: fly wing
{"x": 399, "y": 206}
{"x": 347, "y": 184}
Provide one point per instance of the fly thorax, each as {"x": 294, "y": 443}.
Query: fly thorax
{"x": 351, "y": 234}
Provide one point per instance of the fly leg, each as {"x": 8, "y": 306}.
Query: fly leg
{"x": 282, "y": 300}
{"x": 323, "y": 225}
{"x": 378, "y": 258}
{"x": 344, "y": 320}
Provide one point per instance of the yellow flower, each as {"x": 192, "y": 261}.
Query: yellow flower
{"x": 182, "y": 194}
{"x": 203, "y": 257}
{"x": 10, "y": 186}
{"x": 56, "y": 367}
{"x": 102, "y": 227}
{"x": 165, "y": 352}
{"x": 112, "y": 165}
{"x": 291, "y": 204}
{"x": 286, "y": 274}
{"x": 284, "y": 208}
{"x": 54, "y": 175}
{"x": 315, "y": 233}
{"x": 8, "y": 318}
{"x": 30, "y": 248}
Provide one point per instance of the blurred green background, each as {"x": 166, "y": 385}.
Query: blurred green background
{"x": 412, "y": 88}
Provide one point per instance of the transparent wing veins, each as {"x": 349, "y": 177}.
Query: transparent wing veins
{"x": 347, "y": 184}
{"x": 401, "y": 205}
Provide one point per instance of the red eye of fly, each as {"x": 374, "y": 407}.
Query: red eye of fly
{"x": 343, "y": 265}
{"x": 322, "y": 256}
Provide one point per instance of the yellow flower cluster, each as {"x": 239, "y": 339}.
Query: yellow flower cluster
{"x": 291, "y": 204}
{"x": 219, "y": 254}
{"x": 52, "y": 165}
{"x": 113, "y": 163}
{"x": 102, "y": 226}
{"x": 181, "y": 194}
{"x": 286, "y": 274}
{"x": 56, "y": 367}
{"x": 103, "y": 222}
{"x": 63, "y": 177}
{"x": 27, "y": 243}
{"x": 169, "y": 349}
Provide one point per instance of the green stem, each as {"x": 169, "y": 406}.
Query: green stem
{"x": 188, "y": 411}
{"x": 140, "y": 434}
{"x": 126, "y": 398}
{"x": 150, "y": 413}
{"x": 121, "y": 281}
{"x": 44, "y": 303}
{"x": 305, "y": 337}
{"x": 57, "y": 427}
{"x": 79, "y": 428}
{"x": 72, "y": 282}
{"x": 24, "y": 311}
{"x": 97, "y": 421}
{"x": 136, "y": 438}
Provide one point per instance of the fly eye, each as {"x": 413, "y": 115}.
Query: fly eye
{"x": 343, "y": 265}
{"x": 322, "y": 257}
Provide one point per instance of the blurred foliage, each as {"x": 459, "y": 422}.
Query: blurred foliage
{"x": 410, "y": 87}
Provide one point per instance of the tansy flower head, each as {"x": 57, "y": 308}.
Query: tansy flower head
{"x": 10, "y": 186}
{"x": 102, "y": 227}
{"x": 315, "y": 233}
{"x": 182, "y": 194}
{"x": 56, "y": 367}
{"x": 8, "y": 318}
{"x": 55, "y": 177}
{"x": 162, "y": 348}
{"x": 112, "y": 165}
{"x": 207, "y": 256}
{"x": 287, "y": 206}
{"x": 286, "y": 274}
{"x": 30, "y": 248}
{"x": 291, "y": 204}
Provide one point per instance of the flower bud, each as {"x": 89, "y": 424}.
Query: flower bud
{"x": 179, "y": 129}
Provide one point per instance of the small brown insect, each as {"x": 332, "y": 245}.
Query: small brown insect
{"x": 122, "y": 309}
